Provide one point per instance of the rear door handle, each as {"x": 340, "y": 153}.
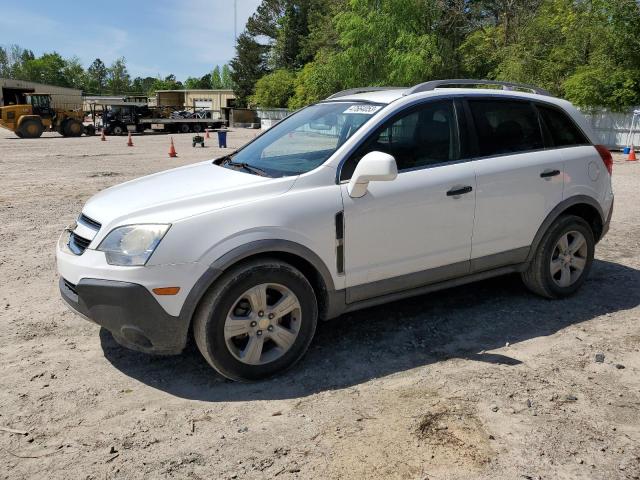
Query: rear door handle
{"x": 455, "y": 191}
{"x": 549, "y": 173}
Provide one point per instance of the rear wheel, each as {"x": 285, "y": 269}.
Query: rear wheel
{"x": 117, "y": 130}
{"x": 184, "y": 128}
{"x": 258, "y": 320}
{"x": 563, "y": 259}
{"x": 30, "y": 128}
{"x": 72, "y": 128}
{"x": 197, "y": 128}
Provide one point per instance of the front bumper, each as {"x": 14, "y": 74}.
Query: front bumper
{"x": 130, "y": 312}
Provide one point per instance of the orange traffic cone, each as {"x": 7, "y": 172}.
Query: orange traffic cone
{"x": 206, "y": 133}
{"x": 129, "y": 141}
{"x": 632, "y": 155}
{"x": 172, "y": 150}
{"x": 102, "y": 137}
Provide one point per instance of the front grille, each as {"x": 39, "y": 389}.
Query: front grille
{"x": 89, "y": 222}
{"x": 78, "y": 244}
{"x": 70, "y": 286}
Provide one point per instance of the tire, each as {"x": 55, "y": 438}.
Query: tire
{"x": 229, "y": 296}
{"x": 89, "y": 130}
{"x": 72, "y": 128}
{"x": 117, "y": 130}
{"x": 18, "y": 134}
{"x": 563, "y": 277}
{"x": 184, "y": 128}
{"x": 197, "y": 128}
{"x": 30, "y": 128}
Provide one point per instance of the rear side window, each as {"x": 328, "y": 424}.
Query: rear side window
{"x": 560, "y": 128}
{"x": 505, "y": 127}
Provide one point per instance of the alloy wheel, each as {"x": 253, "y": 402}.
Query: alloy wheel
{"x": 569, "y": 259}
{"x": 262, "y": 324}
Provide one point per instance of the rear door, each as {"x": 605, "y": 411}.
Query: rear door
{"x": 519, "y": 182}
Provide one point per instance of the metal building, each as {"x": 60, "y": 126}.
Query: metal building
{"x": 200, "y": 99}
{"x": 61, "y": 97}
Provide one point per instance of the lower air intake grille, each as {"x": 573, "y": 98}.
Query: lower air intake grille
{"x": 70, "y": 285}
{"x": 77, "y": 244}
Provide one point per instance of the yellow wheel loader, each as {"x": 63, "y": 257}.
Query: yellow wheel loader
{"x": 36, "y": 115}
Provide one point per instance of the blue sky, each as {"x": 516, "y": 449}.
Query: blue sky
{"x": 183, "y": 37}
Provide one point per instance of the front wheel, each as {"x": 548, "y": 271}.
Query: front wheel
{"x": 30, "y": 128}
{"x": 563, "y": 259}
{"x": 258, "y": 320}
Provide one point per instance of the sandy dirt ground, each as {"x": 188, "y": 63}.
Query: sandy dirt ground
{"x": 485, "y": 381}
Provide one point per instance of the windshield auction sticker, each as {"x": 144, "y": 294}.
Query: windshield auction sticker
{"x": 363, "y": 109}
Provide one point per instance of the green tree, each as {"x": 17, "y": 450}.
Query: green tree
{"x": 216, "y": 78}
{"x": 49, "y": 68}
{"x": 248, "y": 66}
{"x": 167, "y": 83}
{"x": 74, "y": 74}
{"x": 293, "y": 28}
{"x": 142, "y": 85}
{"x": 97, "y": 76}
{"x": 5, "y": 70}
{"x": 225, "y": 76}
{"x": 118, "y": 80}
{"x": 387, "y": 42}
{"x": 274, "y": 89}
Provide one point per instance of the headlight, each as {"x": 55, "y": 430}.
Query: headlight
{"x": 132, "y": 245}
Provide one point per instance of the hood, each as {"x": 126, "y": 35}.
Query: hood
{"x": 171, "y": 195}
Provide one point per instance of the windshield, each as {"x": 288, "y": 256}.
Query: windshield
{"x": 303, "y": 141}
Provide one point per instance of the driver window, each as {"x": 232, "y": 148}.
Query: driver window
{"x": 426, "y": 135}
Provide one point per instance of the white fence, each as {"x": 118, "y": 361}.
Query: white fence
{"x": 613, "y": 128}
{"x": 270, "y": 116}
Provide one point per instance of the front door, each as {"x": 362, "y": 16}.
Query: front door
{"x": 416, "y": 229}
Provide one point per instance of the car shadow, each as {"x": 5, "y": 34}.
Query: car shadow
{"x": 465, "y": 322}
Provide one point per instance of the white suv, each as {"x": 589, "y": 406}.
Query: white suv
{"x": 370, "y": 196}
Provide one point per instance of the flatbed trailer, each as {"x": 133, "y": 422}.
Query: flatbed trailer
{"x": 182, "y": 125}
{"x": 120, "y": 118}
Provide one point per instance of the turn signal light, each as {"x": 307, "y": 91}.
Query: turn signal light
{"x": 166, "y": 290}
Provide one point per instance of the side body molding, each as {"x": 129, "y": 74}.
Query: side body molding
{"x": 245, "y": 251}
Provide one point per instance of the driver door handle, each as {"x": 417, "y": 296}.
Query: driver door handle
{"x": 455, "y": 191}
{"x": 549, "y": 173}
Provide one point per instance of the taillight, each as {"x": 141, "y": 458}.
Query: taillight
{"x": 607, "y": 159}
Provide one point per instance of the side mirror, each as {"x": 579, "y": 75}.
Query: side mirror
{"x": 373, "y": 167}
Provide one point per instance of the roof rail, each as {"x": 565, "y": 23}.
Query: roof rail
{"x": 353, "y": 91}
{"x": 433, "y": 84}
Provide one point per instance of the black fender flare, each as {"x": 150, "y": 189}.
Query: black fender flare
{"x": 556, "y": 212}
{"x": 217, "y": 268}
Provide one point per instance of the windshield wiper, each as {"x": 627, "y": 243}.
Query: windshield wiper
{"x": 246, "y": 166}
